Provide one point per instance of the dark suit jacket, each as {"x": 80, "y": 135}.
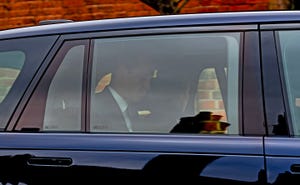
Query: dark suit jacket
{"x": 106, "y": 115}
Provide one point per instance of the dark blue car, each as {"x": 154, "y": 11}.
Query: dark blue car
{"x": 212, "y": 98}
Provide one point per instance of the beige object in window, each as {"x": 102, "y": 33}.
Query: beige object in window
{"x": 103, "y": 82}
{"x": 297, "y": 102}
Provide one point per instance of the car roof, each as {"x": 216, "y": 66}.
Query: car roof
{"x": 159, "y": 21}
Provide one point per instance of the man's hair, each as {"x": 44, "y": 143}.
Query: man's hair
{"x": 122, "y": 55}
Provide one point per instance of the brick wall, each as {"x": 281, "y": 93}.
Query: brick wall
{"x": 18, "y": 13}
{"x": 209, "y": 97}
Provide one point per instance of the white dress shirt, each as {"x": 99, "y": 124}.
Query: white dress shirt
{"x": 123, "y": 107}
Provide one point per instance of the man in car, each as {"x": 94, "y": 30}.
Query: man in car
{"x": 121, "y": 89}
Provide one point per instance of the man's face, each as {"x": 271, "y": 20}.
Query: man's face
{"x": 134, "y": 82}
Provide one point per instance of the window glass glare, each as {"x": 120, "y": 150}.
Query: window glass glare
{"x": 11, "y": 63}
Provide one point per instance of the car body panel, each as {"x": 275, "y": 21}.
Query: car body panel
{"x": 259, "y": 154}
{"x": 282, "y": 160}
{"x": 203, "y": 158}
{"x": 281, "y": 147}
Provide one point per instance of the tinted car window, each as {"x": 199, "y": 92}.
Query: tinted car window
{"x": 289, "y": 52}
{"x": 151, "y": 83}
{"x": 19, "y": 60}
{"x": 63, "y": 105}
{"x": 56, "y": 102}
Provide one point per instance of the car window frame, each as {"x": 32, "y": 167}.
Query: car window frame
{"x": 134, "y": 32}
{"x": 276, "y": 95}
{"x": 252, "y": 100}
{"x": 44, "y": 70}
{"x": 207, "y": 29}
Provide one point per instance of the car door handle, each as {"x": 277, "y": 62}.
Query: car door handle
{"x": 49, "y": 161}
{"x": 295, "y": 168}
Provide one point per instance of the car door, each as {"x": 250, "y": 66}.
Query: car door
{"x": 201, "y": 117}
{"x": 280, "y": 48}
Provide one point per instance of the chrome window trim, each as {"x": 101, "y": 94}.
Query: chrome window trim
{"x": 150, "y": 31}
{"x": 280, "y": 26}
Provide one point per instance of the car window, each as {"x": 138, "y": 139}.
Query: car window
{"x": 57, "y": 101}
{"x": 289, "y": 48}
{"x": 63, "y": 104}
{"x": 19, "y": 60}
{"x": 185, "y": 83}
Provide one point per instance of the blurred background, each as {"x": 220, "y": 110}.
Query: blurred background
{"x": 20, "y": 13}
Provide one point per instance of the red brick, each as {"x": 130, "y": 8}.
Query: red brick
{"x": 205, "y": 2}
{"x": 207, "y": 104}
{"x": 72, "y": 3}
{"x": 208, "y": 84}
{"x": 220, "y": 104}
{"x": 204, "y": 95}
{"x": 28, "y": 12}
